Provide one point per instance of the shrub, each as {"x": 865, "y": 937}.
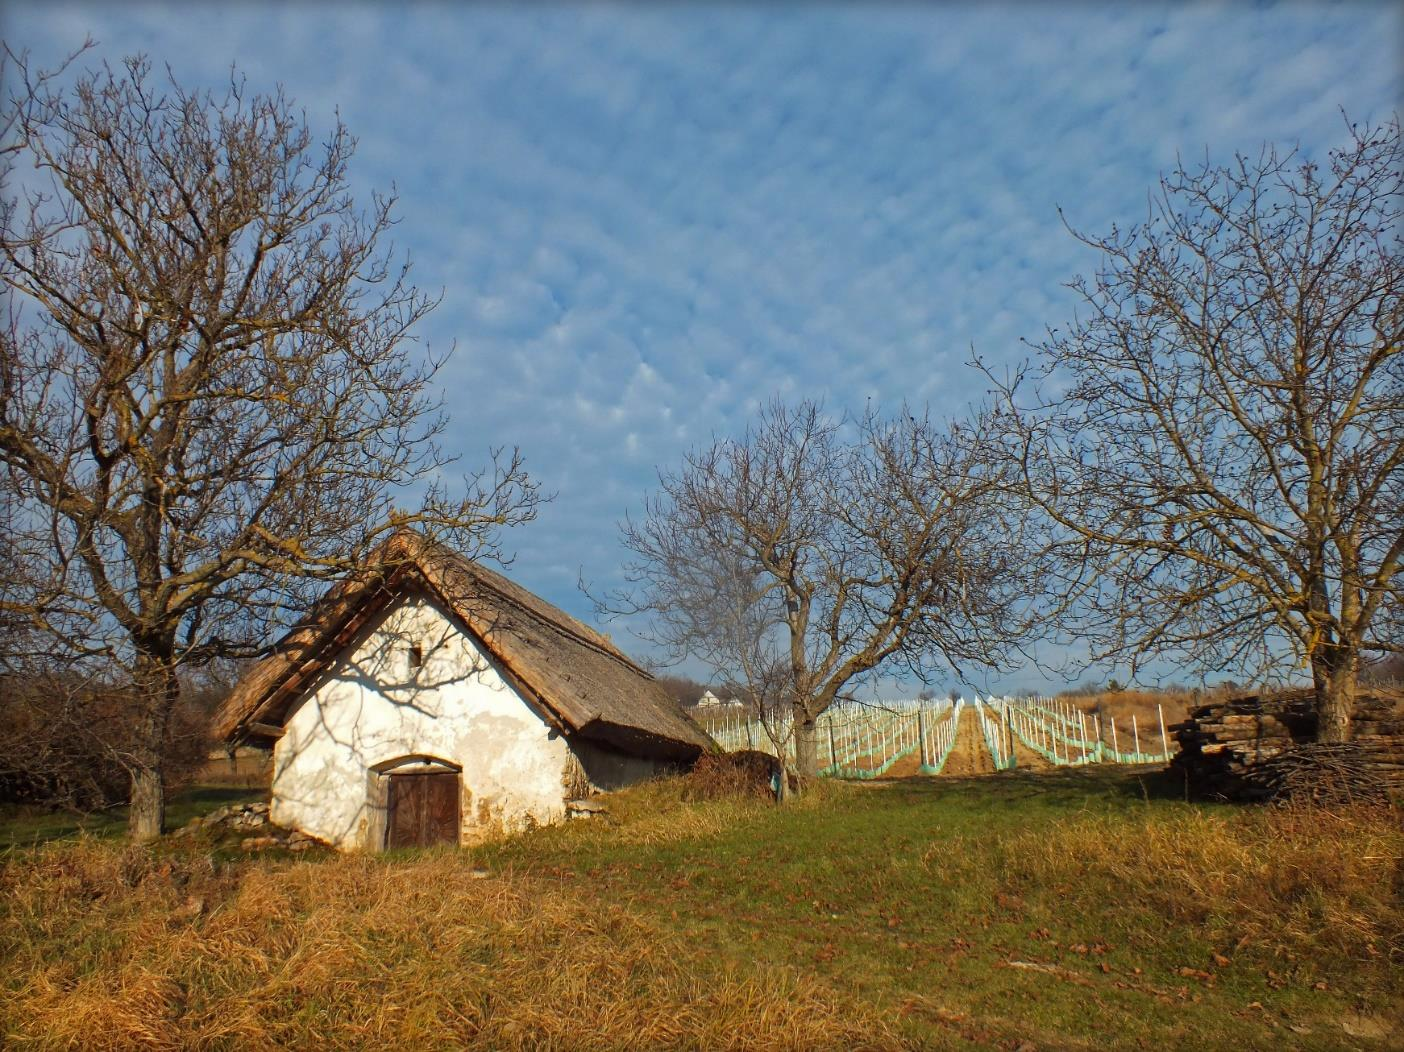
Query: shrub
{"x": 64, "y": 742}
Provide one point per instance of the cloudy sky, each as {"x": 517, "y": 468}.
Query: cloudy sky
{"x": 647, "y": 220}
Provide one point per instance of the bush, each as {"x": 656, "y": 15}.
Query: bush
{"x": 64, "y": 742}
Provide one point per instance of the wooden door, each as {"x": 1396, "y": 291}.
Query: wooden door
{"x": 423, "y": 809}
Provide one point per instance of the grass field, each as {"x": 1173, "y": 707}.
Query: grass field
{"x": 1075, "y": 909}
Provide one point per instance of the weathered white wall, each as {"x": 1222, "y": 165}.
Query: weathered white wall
{"x": 373, "y": 708}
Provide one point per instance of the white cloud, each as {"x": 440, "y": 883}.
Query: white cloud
{"x": 648, "y": 220}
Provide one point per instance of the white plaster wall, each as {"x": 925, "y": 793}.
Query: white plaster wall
{"x": 373, "y": 708}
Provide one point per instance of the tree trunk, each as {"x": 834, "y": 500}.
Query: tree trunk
{"x": 157, "y": 691}
{"x": 1334, "y": 675}
{"x": 806, "y": 744}
{"x": 782, "y": 784}
{"x": 146, "y": 820}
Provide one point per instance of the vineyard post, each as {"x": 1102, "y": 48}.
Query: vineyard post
{"x": 1164, "y": 739}
{"x": 1136, "y": 735}
{"x": 833, "y": 747}
{"x": 1116, "y": 749}
{"x": 921, "y": 735}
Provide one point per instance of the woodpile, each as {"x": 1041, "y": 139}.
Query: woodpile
{"x": 1262, "y": 747}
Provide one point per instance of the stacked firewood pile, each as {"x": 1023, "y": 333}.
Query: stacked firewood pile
{"x": 1262, "y": 747}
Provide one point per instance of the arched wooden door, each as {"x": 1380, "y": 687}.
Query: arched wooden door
{"x": 422, "y": 808}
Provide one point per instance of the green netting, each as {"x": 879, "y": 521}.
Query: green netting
{"x": 865, "y": 743}
{"x": 1055, "y": 729}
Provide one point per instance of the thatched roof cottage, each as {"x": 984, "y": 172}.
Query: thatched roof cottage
{"x": 432, "y": 700}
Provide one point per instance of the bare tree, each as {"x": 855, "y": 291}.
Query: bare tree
{"x": 211, "y": 397}
{"x": 1219, "y": 437}
{"x": 809, "y": 554}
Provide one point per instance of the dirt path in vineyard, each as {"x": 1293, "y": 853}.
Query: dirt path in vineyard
{"x": 1025, "y": 759}
{"x": 970, "y": 756}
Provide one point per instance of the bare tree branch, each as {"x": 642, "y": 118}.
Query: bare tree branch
{"x": 807, "y": 555}
{"x": 1219, "y": 438}
{"x": 212, "y": 398}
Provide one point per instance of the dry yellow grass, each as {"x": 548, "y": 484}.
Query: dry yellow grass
{"x": 927, "y": 914}
{"x": 357, "y": 951}
{"x": 1293, "y": 881}
{"x": 1123, "y": 704}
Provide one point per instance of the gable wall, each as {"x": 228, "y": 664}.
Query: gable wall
{"x": 372, "y": 708}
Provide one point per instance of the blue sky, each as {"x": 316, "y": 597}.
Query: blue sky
{"x": 647, "y": 220}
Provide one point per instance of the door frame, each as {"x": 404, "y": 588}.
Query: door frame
{"x": 378, "y": 792}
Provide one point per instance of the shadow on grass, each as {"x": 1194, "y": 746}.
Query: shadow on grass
{"x": 1149, "y": 783}
{"x": 25, "y": 826}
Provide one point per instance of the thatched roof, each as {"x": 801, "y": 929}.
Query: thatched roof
{"x": 576, "y": 678}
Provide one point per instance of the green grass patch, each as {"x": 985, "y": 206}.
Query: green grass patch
{"x": 1075, "y": 909}
{"x": 22, "y": 826}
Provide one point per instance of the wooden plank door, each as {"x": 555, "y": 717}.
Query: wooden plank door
{"x": 423, "y": 810}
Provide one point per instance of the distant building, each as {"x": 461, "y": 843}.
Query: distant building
{"x": 708, "y": 700}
